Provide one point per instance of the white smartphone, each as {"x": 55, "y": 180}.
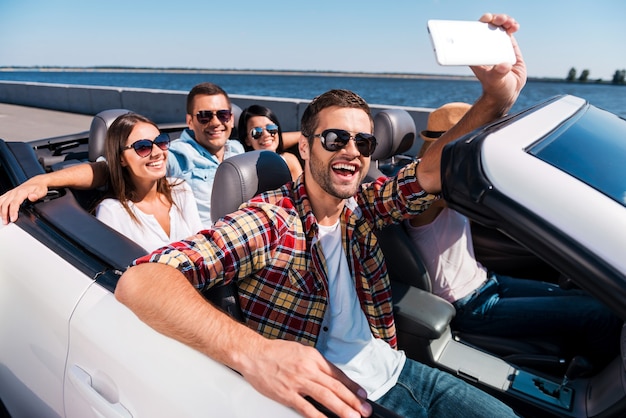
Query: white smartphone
{"x": 460, "y": 42}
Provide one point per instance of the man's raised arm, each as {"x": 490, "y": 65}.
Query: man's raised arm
{"x": 501, "y": 85}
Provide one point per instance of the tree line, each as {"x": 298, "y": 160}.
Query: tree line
{"x": 619, "y": 77}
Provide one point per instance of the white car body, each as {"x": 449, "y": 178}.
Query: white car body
{"x": 68, "y": 348}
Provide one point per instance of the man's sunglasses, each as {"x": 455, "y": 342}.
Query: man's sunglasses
{"x": 205, "y": 116}
{"x": 257, "y": 131}
{"x": 143, "y": 147}
{"x": 335, "y": 139}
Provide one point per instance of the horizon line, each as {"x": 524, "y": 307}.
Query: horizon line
{"x": 114, "y": 68}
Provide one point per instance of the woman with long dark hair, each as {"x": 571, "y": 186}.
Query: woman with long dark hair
{"x": 142, "y": 203}
{"x": 259, "y": 129}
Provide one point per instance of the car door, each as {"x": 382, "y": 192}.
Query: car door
{"x": 120, "y": 367}
{"x": 38, "y": 293}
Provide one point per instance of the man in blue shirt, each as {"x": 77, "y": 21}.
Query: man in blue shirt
{"x": 195, "y": 156}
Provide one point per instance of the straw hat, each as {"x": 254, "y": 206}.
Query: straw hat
{"x": 442, "y": 119}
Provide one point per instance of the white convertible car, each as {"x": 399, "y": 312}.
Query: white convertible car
{"x": 67, "y": 347}
{"x": 549, "y": 182}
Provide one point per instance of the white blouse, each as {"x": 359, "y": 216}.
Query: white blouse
{"x": 184, "y": 219}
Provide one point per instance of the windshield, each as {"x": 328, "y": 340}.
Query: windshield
{"x": 593, "y": 150}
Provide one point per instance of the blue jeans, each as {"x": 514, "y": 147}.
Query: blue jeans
{"x": 512, "y": 307}
{"x": 422, "y": 391}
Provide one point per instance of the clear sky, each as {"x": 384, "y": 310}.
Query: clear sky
{"x": 335, "y": 35}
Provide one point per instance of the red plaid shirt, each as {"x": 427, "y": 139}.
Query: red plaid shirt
{"x": 270, "y": 248}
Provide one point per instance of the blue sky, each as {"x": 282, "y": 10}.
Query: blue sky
{"x": 336, "y": 35}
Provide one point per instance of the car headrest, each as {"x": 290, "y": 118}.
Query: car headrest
{"x": 241, "y": 177}
{"x": 98, "y": 131}
{"x": 395, "y": 132}
{"x": 236, "y": 115}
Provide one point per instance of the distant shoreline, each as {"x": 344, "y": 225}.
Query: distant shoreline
{"x": 233, "y": 71}
{"x": 276, "y": 72}
{"x": 250, "y": 71}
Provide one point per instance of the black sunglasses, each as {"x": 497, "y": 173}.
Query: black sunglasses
{"x": 335, "y": 139}
{"x": 143, "y": 147}
{"x": 205, "y": 116}
{"x": 257, "y": 131}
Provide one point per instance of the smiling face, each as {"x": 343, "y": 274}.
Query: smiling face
{"x": 213, "y": 134}
{"x": 335, "y": 175}
{"x": 266, "y": 141}
{"x": 144, "y": 170}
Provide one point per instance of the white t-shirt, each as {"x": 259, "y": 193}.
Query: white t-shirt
{"x": 448, "y": 253}
{"x": 184, "y": 219}
{"x": 346, "y": 339}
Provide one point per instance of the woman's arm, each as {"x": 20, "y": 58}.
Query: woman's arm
{"x": 80, "y": 176}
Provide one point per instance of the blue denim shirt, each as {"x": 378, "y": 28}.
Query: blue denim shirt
{"x": 191, "y": 161}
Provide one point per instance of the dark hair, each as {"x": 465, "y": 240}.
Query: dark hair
{"x": 204, "y": 89}
{"x": 257, "y": 110}
{"x": 339, "y": 98}
{"x": 121, "y": 186}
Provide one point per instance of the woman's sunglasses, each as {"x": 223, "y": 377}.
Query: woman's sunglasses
{"x": 143, "y": 147}
{"x": 257, "y": 131}
{"x": 335, "y": 139}
{"x": 205, "y": 116}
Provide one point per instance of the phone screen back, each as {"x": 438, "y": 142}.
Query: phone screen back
{"x": 458, "y": 42}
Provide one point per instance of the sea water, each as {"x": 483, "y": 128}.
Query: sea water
{"x": 426, "y": 92}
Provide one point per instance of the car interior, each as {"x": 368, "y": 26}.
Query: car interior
{"x": 536, "y": 366}
{"x": 527, "y": 374}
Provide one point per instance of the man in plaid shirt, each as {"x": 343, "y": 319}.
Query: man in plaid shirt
{"x": 311, "y": 278}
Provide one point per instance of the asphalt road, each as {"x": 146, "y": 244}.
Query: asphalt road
{"x": 21, "y": 123}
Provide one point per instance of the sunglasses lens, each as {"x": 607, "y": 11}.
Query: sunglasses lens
{"x": 256, "y": 133}
{"x": 223, "y": 115}
{"x": 162, "y": 141}
{"x": 143, "y": 147}
{"x": 335, "y": 139}
{"x": 205, "y": 116}
{"x": 271, "y": 129}
{"x": 366, "y": 144}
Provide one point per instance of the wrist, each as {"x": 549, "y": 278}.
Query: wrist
{"x": 493, "y": 106}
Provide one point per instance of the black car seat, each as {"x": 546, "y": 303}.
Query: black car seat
{"x": 236, "y": 115}
{"x": 237, "y": 180}
{"x": 395, "y": 131}
{"x": 241, "y": 177}
{"x": 97, "y": 138}
{"x": 98, "y": 131}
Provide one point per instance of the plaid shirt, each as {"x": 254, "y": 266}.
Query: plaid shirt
{"x": 270, "y": 248}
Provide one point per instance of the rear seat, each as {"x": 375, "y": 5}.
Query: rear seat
{"x": 395, "y": 132}
{"x": 97, "y": 137}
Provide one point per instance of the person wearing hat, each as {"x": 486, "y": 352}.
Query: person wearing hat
{"x": 493, "y": 304}
{"x": 440, "y": 120}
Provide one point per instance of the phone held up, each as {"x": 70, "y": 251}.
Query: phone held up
{"x": 459, "y": 42}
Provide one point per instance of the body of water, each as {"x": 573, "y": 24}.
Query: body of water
{"x": 415, "y": 92}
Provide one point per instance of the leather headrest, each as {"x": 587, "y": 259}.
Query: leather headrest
{"x": 236, "y": 115}
{"x": 395, "y": 132}
{"x": 98, "y": 131}
{"x": 241, "y": 177}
